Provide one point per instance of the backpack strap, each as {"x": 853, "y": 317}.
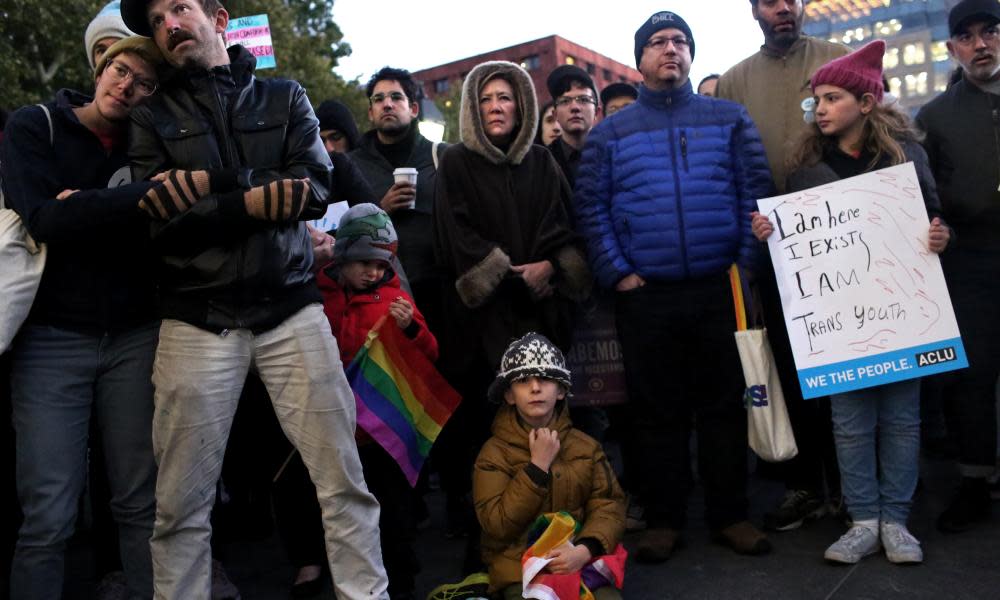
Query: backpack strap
{"x": 48, "y": 117}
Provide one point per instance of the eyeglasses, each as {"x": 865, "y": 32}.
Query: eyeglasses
{"x": 583, "y": 100}
{"x": 660, "y": 44}
{"x": 394, "y": 97}
{"x": 120, "y": 73}
{"x": 987, "y": 34}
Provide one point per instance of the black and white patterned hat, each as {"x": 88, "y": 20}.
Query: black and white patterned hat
{"x": 535, "y": 355}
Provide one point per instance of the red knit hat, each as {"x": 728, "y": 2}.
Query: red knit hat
{"x": 860, "y": 72}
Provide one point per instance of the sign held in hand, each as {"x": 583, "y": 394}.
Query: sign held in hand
{"x": 864, "y": 299}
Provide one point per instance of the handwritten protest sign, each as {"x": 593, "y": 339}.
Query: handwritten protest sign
{"x": 254, "y": 34}
{"x": 865, "y": 301}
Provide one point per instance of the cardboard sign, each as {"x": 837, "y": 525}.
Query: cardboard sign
{"x": 254, "y": 34}
{"x": 595, "y": 359}
{"x": 864, "y": 300}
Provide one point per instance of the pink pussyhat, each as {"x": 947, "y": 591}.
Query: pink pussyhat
{"x": 860, "y": 72}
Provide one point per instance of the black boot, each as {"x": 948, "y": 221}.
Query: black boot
{"x": 970, "y": 505}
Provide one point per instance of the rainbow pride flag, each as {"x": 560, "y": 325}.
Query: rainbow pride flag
{"x": 403, "y": 402}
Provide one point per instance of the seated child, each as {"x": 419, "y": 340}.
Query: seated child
{"x": 537, "y": 463}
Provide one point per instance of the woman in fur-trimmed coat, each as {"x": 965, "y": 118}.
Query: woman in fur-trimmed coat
{"x": 502, "y": 226}
{"x": 503, "y": 235}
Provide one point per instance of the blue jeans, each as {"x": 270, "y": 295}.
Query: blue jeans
{"x": 57, "y": 377}
{"x": 893, "y": 410}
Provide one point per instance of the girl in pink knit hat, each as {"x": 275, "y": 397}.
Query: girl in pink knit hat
{"x": 853, "y": 132}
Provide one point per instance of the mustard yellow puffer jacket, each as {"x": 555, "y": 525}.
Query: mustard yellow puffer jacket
{"x": 508, "y": 500}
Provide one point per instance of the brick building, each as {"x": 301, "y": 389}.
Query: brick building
{"x": 538, "y": 57}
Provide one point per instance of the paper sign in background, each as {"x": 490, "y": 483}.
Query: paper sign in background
{"x": 254, "y": 34}
{"x": 865, "y": 301}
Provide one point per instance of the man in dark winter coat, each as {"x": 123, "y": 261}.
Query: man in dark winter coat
{"x": 664, "y": 196}
{"x": 246, "y": 165}
{"x": 395, "y": 142}
{"x": 963, "y": 129}
{"x": 575, "y": 98}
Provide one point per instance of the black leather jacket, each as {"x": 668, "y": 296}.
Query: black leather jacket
{"x": 220, "y": 268}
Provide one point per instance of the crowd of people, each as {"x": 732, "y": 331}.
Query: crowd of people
{"x": 183, "y": 290}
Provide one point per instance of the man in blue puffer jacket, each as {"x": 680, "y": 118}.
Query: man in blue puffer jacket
{"x": 663, "y": 195}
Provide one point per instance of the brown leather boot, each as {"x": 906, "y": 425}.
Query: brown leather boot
{"x": 656, "y": 545}
{"x": 743, "y": 538}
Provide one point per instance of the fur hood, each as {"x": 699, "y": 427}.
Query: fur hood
{"x": 471, "y": 123}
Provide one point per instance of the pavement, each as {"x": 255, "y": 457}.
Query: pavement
{"x": 956, "y": 567}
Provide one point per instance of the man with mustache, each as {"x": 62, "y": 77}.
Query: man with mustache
{"x": 246, "y": 166}
{"x": 575, "y": 97}
{"x": 963, "y": 145}
{"x": 785, "y": 62}
{"x": 663, "y": 196}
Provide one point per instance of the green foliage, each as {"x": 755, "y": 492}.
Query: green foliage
{"x": 41, "y": 48}
{"x": 307, "y": 44}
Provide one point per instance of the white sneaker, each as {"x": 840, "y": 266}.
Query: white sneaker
{"x": 857, "y": 543}
{"x": 900, "y": 545}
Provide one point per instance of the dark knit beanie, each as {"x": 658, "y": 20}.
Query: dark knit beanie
{"x": 561, "y": 78}
{"x": 617, "y": 90}
{"x": 532, "y": 355}
{"x": 335, "y": 115}
{"x": 860, "y": 72}
{"x": 661, "y": 20}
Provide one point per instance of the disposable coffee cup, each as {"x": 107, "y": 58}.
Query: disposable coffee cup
{"x": 406, "y": 175}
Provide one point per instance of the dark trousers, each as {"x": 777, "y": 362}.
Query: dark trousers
{"x": 970, "y": 394}
{"x": 815, "y": 465}
{"x": 682, "y": 367}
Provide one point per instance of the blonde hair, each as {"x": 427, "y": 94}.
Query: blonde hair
{"x": 885, "y": 127}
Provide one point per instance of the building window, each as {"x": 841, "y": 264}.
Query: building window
{"x": 440, "y": 86}
{"x": 591, "y": 69}
{"x": 530, "y": 63}
{"x": 888, "y": 28}
{"x": 570, "y": 60}
{"x": 941, "y": 81}
{"x": 913, "y": 54}
{"x": 891, "y": 58}
{"x": 916, "y": 84}
{"x": 607, "y": 74}
{"x": 939, "y": 51}
{"x": 895, "y": 86}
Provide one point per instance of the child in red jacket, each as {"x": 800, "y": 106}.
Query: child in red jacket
{"x": 359, "y": 287}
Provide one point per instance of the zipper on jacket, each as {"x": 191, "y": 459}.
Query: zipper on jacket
{"x": 677, "y": 192}
{"x": 684, "y": 149}
{"x": 231, "y": 161}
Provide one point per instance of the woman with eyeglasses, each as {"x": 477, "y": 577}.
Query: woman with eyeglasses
{"x": 503, "y": 235}
{"x": 89, "y": 340}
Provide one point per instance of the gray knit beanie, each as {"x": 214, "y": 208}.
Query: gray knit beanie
{"x": 107, "y": 24}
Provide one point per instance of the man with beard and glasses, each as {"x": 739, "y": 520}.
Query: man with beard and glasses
{"x": 395, "y": 142}
{"x": 663, "y": 196}
{"x": 772, "y": 85}
{"x": 963, "y": 145}
{"x": 245, "y": 166}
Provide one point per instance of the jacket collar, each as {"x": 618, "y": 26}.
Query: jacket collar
{"x": 240, "y": 70}
{"x": 795, "y": 48}
{"x": 665, "y": 98}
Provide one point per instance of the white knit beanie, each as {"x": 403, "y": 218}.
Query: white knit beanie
{"x": 107, "y": 24}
